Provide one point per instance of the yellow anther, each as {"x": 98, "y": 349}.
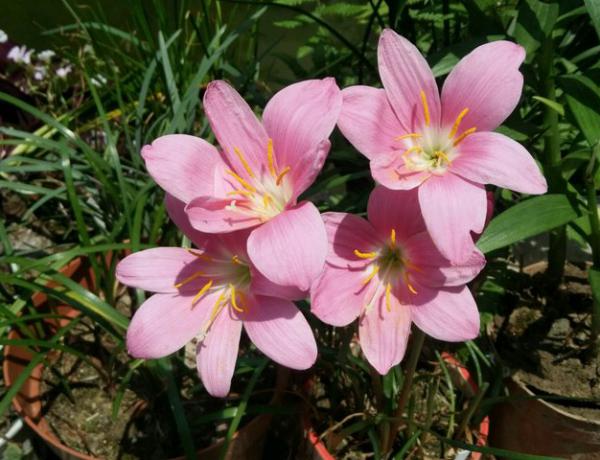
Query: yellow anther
{"x": 240, "y": 192}
{"x": 240, "y": 155}
{"x": 215, "y": 311}
{"x": 243, "y": 183}
{"x": 365, "y": 255}
{"x": 414, "y": 148}
{"x": 188, "y": 279}
{"x": 407, "y": 136}
{"x": 463, "y": 135}
{"x": 393, "y": 236}
{"x": 234, "y": 300}
{"x": 201, "y": 292}
{"x": 371, "y": 275}
{"x": 454, "y": 130}
{"x": 408, "y": 285}
{"x": 425, "y": 107}
{"x": 267, "y": 200}
{"x": 282, "y": 174}
{"x": 388, "y": 297}
{"x": 270, "y": 158}
{"x": 200, "y": 255}
{"x": 236, "y": 260}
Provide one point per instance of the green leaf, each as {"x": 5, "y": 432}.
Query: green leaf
{"x": 583, "y": 99}
{"x": 535, "y": 23}
{"x": 526, "y": 219}
{"x": 552, "y": 104}
{"x": 593, "y": 8}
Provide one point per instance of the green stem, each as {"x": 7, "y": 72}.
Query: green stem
{"x": 592, "y": 205}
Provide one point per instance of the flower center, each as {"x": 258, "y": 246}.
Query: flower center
{"x": 389, "y": 264}
{"x": 434, "y": 148}
{"x": 262, "y": 197}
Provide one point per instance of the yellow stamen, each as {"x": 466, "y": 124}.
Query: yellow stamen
{"x": 215, "y": 311}
{"x": 442, "y": 154}
{"x": 393, "y": 236}
{"x": 244, "y": 184}
{"x": 365, "y": 255}
{"x": 234, "y": 300}
{"x": 200, "y": 255}
{"x": 463, "y": 135}
{"x": 236, "y": 260}
{"x": 414, "y": 148}
{"x": 425, "y": 108}
{"x": 454, "y": 130}
{"x": 267, "y": 200}
{"x": 371, "y": 275}
{"x": 388, "y": 300}
{"x": 201, "y": 292}
{"x": 408, "y": 285}
{"x": 188, "y": 279}
{"x": 240, "y": 155}
{"x": 244, "y": 304}
{"x": 241, "y": 192}
{"x": 282, "y": 174}
{"x": 270, "y": 158}
{"x": 407, "y": 136}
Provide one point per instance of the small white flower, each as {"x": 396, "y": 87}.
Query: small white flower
{"x": 3, "y": 36}
{"x": 39, "y": 73}
{"x": 98, "y": 80}
{"x": 62, "y": 72}
{"x": 46, "y": 55}
{"x": 20, "y": 54}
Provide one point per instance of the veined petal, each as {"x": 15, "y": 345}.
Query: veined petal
{"x": 368, "y": 121}
{"x": 408, "y": 81}
{"x": 217, "y": 353}
{"x": 236, "y": 127}
{"x": 166, "y": 322}
{"x": 448, "y": 314}
{"x": 281, "y": 332}
{"x": 262, "y": 286}
{"x": 453, "y": 208}
{"x": 215, "y": 215}
{"x": 182, "y": 165}
{"x": 390, "y": 170}
{"x": 395, "y": 209}
{"x": 290, "y": 249}
{"x": 176, "y": 210}
{"x": 486, "y": 81}
{"x": 492, "y": 158}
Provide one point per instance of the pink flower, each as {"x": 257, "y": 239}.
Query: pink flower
{"x": 388, "y": 273}
{"x": 443, "y": 145}
{"x": 254, "y": 181}
{"x": 209, "y": 293}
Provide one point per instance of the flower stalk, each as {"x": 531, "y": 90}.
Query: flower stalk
{"x": 592, "y": 208}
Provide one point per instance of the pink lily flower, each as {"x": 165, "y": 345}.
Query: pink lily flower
{"x": 443, "y": 145}
{"x": 388, "y": 273}
{"x": 210, "y": 292}
{"x": 254, "y": 181}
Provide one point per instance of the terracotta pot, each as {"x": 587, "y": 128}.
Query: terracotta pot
{"x": 247, "y": 443}
{"x": 316, "y": 449}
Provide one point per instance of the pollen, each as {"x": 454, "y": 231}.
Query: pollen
{"x": 365, "y": 255}
{"x": 242, "y": 182}
{"x": 201, "y": 292}
{"x": 425, "y": 108}
{"x": 240, "y": 155}
{"x": 282, "y": 175}
{"x": 393, "y": 236}
{"x": 464, "y": 134}
{"x": 371, "y": 275}
{"x": 388, "y": 297}
{"x": 271, "y": 159}
{"x": 408, "y": 284}
{"x": 459, "y": 118}
{"x": 234, "y": 300}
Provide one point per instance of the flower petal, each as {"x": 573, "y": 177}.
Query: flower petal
{"x": 166, "y": 322}
{"x": 395, "y": 209}
{"x": 176, "y": 211}
{"x": 291, "y": 248}
{"x": 492, "y": 158}
{"x": 216, "y": 355}
{"x": 298, "y": 119}
{"x": 215, "y": 215}
{"x": 433, "y": 269}
{"x": 447, "y": 314}
{"x": 182, "y": 165}
{"x": 368, "y": 121}
{"x": 236, "y": 127}
{"x": 405, "y": 74}
{"x": 383, "y": 334}
{"x": 486, "y": 81}
{"x": 281, "y": 332}
{"x": 261, "y": 285}
{"x": 390, "y": 170}
{"x": 338, "y": 295}
{"x": 452, "y": 208}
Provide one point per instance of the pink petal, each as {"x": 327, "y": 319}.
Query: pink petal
{"x": 160, "y": 269}
{"x": 182, "y": 165}
{"x": 299, "y": 118}
{"x": 487, "y": 81}
{"x": 235, "y": 126}
{"x": 176, "y": 211}
{"x": 492, "y": 158}
{"x": 390, "y": 170}
{"x": 383, "y": 334}
{"x": 290, "y": 249}
{"x": 452, "y": 208}
{"x": 264, "y": 287}
{"x": 217, "y": 353}
{"x": 281, "y": 332}
{"x": 338, "y": 295}
{"x": 405, "y": 73}
{"x": 345, "y": 233}
{"x": 214, "y": 215}
{"x": 368, "y": 121}
{"x": 395, "y": 209}
{"x": 433, "y": 269}
{"x": 166, "y": 322}
{"x": 447, "y": 314}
